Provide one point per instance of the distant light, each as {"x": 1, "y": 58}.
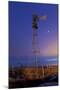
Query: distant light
{"x": 48, "y": 31}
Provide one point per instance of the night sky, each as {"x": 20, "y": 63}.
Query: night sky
{"x": 20, "y": 29}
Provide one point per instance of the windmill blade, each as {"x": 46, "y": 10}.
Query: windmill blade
{"x": 43, "y": 17}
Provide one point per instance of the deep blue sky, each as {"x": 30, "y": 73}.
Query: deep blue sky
{"x": 20, "y": 28}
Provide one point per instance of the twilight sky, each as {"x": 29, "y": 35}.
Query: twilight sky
{"x": 20, "y": 28}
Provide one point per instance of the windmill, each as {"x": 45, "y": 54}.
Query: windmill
{"x": 35, "y": 41}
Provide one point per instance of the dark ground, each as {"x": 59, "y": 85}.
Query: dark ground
{"x": 48, "y": 81}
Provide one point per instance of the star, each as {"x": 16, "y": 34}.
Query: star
{"x": 48, "y": 31}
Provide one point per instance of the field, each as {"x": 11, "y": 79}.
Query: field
{"x": 33, "y": 76}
